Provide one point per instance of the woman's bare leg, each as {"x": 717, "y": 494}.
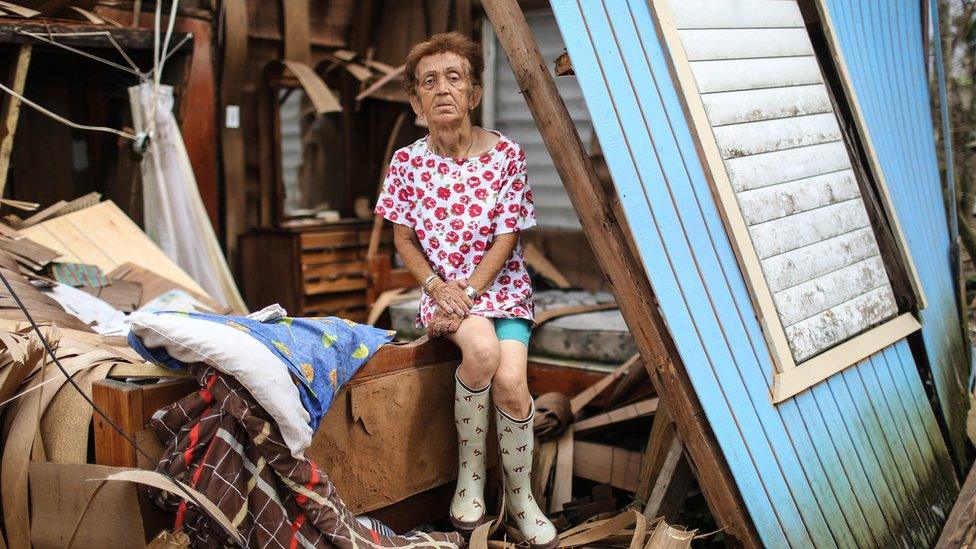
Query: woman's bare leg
{"x": 479, "y": 351}
{"x": 509, "y": 387}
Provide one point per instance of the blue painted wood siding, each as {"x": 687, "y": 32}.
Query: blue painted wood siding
{"x": 882, "y": 45}
{"x": 854, "y": 461}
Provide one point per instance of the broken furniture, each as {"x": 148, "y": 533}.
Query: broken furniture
{"x": 310, "y": 271}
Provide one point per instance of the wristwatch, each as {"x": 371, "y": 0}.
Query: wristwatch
{"x": 472, "y": 293}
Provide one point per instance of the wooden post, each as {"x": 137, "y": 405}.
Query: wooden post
{"x": 630, "y": 284}
{"x": 11, "y": 111}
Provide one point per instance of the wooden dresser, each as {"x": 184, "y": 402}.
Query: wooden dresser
{"x": 310, "y": 271}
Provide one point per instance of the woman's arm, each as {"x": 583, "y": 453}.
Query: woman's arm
{"x": 450, "y": 297}
{"x": 495, "y": 258}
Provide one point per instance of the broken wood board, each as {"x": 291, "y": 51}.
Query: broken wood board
{"x": 579, "y": 401}
{"x": 155, "y": 285}
{"x": 65, "y": 424}
{"x": 601, "y": 463}
{"x": 562, "y": 490}
{"x": 390, "y": 437}
{"x": 124, "y": 295}
{"x": 104, "y": 236}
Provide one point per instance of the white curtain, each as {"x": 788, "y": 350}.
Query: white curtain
{"x": 174, "y": 214}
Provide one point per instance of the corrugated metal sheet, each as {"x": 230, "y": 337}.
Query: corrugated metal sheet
{"x": 511, "y": 116}
{"x": 882, "y": 46}
{"x": 857, "y": 460}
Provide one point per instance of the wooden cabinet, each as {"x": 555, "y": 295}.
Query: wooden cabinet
{"x": 310, "y": 271}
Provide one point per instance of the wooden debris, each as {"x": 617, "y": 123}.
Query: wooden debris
{"x": 538, "y": 261}
{"x": 11, "y": 111}
{"x": 643, "y": 408}
{"x": 562, "y": 490}
{"x": 563, "y": 66}
{"x": 603, "y": 463}
{"x": 579, "y": 401}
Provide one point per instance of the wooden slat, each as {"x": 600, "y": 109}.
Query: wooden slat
{"x": 791, "y": 233}
{"x": 709, "y": 14}
{"x": 821, "y": 293}
{"x": 794, "y": 197}
{"x": 11, "y": 110}
{"x": 750, "y": 74}
{"x": 775, "y": 135}
{"x": 748, "y": 43}
{"x": 735, "y": 107}
{"x": 815, "y": 260}
{"x": 562, "y": 490}
{"x": 643, "y": 408}
{"x": 840, "y": 322}
{"x": 762, "y": 170}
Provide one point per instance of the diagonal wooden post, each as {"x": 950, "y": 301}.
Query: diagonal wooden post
{"x": 11, "y": 111}
{"x": 610, "y": 243}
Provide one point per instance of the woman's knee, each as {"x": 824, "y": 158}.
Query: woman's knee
{"x": 510, "y": 392}
{"x": 480, "y": 360}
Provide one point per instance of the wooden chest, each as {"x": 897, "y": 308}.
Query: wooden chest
{"x": 311, "y": 271}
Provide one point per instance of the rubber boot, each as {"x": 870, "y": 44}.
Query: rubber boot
{"x": 515, "y": 441}
{"x": 471, "y": 419}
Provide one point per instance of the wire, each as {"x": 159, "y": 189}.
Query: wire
{"x": 47, "y": 347}
{"x": 83, "y": 53}
{"x": 64, "y": 120}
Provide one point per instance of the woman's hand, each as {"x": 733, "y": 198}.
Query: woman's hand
{"x": 450, "y": 297}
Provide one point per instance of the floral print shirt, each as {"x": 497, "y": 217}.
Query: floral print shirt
{"x": 458, "y": 206}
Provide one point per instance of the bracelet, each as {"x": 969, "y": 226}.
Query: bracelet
{"x": 427, "y": 280}
{"x": 472, "y": 293}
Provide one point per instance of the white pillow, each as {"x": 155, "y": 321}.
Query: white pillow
{"x": 234, "y": 353}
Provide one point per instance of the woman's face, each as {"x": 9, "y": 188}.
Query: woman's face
{"x": 445, "y": 94}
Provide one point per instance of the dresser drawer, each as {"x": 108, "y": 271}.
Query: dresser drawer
{"x": 333, "y": 277}
{"x": 332, "y": 247}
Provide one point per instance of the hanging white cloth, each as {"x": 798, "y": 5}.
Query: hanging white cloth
{"x": 173, "y": 210}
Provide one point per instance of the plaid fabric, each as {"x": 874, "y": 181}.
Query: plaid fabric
{"x": 222, "y": 443}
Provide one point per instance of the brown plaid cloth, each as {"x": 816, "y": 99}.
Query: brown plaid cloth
{"x": 221, "y": 442}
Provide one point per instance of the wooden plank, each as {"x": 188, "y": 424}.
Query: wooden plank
{"x": 104, "y": 236}
{"x": 962, "y": 518}
{"x": 708, "y": 14}
{"x": 619, "y": 263}
{"x": 660, "y": 439}
{"x": 670, "y": 487}
{"x": 788, "y": 234}
{"x": 583, "y": 398}
{"x": 11, "y": 110}
{"x": 836, "y": 324}
{"x": 607, "y": 464}
{"x": 735, "y": 107}
{"x": 762, "y": 170}
{"x": 776, "y": 201}
{"x": 562, "y": 490}
{"x": 750, "y": 74}
{"x": 745, "y": 43}
{"x": 636, "y": 410}
{"x": 751, "y": 138}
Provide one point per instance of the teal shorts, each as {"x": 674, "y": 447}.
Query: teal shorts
{"x": 518, "y": 329}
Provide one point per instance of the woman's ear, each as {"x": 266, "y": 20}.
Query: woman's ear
{"x": 415, "y": 104}
{"x": 476, "y": 94}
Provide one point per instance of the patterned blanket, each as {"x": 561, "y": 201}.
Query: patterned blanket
{"x": 222, "y": 443}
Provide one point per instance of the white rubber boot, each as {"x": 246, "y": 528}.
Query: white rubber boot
{"x": 515, "y": 445}
{"x": 471, "y": 419}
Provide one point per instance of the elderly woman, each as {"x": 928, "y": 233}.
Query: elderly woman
{"x": 459, "y": 198}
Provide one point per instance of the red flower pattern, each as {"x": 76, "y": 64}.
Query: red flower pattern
{"x": 457, "y": 207}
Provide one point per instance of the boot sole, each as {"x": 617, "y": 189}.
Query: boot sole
{"x": 551, "y": 545}
{"x": 466, "y": 528}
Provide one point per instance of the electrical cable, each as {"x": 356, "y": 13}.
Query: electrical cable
{"x": 233, "y": 535}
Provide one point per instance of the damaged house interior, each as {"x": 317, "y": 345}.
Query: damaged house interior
{"x": 742, "y": 284}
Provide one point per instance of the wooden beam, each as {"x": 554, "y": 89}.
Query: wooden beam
{"x": 662, "y": 435}
{"x": 622, "y": 268}
{"x": 11, "y": 111}
{"x": 960, "y": 528}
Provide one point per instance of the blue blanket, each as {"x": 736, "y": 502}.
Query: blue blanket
{"x": 321, "y": 353}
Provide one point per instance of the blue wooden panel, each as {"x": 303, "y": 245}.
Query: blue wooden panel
{"x": 852, "y": 462}
{"x": 882, "y": 45}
